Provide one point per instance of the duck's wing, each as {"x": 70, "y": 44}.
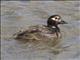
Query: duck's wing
{"x": 30, "y": 33}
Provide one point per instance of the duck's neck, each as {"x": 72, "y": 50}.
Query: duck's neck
{"x": 57, "y": 29}
{"x": 55, "y": 26}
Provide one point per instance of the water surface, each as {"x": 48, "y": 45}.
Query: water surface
{"x": 18, "y": 15}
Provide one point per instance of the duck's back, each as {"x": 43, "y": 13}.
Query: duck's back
{"x": 38, "y": 32}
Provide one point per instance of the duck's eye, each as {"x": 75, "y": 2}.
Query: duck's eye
{"x": 55, "y": 18}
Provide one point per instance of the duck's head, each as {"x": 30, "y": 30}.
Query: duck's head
{"x": 55, "y": 20}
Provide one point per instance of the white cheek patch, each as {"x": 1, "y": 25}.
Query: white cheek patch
{"x": 57, "y": 20}
{"x": 54, "y": 19}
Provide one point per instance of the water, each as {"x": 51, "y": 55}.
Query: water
{"x": 18, "y": 15}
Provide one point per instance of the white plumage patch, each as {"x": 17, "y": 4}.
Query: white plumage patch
{"x": 53, "y": 27}
{"x": 56, "y": 20}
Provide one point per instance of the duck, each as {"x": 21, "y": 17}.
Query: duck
{"x": 48, "y": 32}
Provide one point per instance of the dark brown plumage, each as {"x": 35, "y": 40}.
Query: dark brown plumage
{"x": 43, "y": 32}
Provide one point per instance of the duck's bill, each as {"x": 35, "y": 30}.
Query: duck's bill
{"x": 63, "y": 22}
